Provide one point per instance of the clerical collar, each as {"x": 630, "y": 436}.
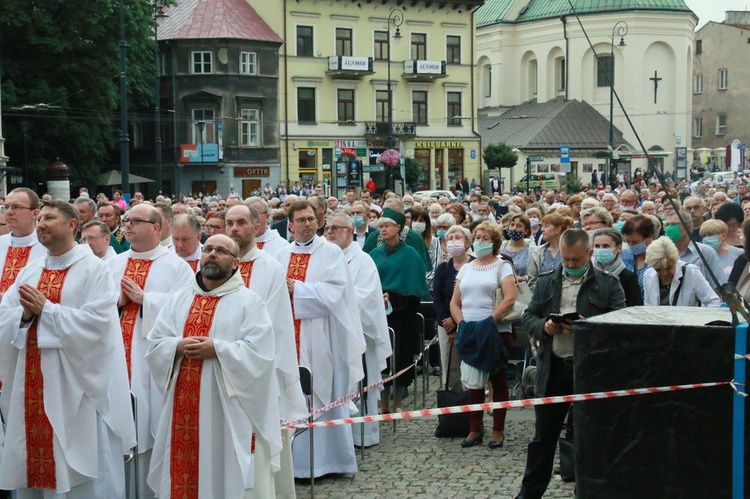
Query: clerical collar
{"x": 251, "y": 255}
{"x": 24, "y": 241}
{"x": 309, "y": 243}
{"x": 145, "y": 255}
{"x": 68, "y": 258}
{"x": 195, "y": 256}
{"x": 167, "y": 241}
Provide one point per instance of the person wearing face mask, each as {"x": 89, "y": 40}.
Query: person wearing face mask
{"x": 637, "y": 233}
{"x": 473, "y": 301}
{"x": 714, "y": 234}
{"x": 676, "y": 232}
{"x": 671, "y": 282}
{"x": 422, "y": 225}
{"x": 518, "y": 248}
{"x": 607, "y": 248}
{"x": 457, "y": 243}
{"x": 358, "y": 212}
{"x": 535, "y": 218}
{"x": 575, "y": 287}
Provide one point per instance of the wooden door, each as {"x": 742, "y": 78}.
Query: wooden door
{"x": 204, "y": 186}
{"x": 249, "y": 185}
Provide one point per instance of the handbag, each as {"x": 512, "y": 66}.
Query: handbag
{"x": 568, "y": 452}
{"x": 523, "y": 295}
{"x": 452, "y": 425}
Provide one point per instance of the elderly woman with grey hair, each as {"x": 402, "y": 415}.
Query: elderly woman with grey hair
{"x": 670, "y": 282}
{"x": 457, "y": 242}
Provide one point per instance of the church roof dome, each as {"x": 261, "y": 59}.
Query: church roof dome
{"x": 497, "y": 11}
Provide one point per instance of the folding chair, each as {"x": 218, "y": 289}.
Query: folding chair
{"x": 133, "y": 456}
{"x": 306, "y": 382}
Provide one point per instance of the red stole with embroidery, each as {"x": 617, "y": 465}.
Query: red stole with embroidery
{"x": 260, "y": 244}
{"x": 15, "y": 261}
{"x": 297, "y": 270}
{"x": 246, "y": 271}
{"x": 137, "y": 270}
{"x": 193, "y": 265}
{"x": 183, "y": 466}
{"x": 40, "y": 459}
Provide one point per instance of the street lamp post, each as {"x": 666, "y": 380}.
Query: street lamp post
{"x": 158, "y": 14}
{"x": 620, "y": 29}
{"x": 395, "y": 19}
{"x": 201, "y": 126}
{"x": 124, "y": 138}
{"x": 25, "y": 130}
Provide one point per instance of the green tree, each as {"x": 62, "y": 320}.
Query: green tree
{"x": 572, "y": 183}
{"x": 500, "y": 156}
{"x": 66, "y": 54}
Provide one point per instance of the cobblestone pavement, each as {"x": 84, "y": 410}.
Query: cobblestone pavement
{"x": 412, "y": 463}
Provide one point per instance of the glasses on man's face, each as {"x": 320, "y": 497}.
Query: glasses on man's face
{"x": 218, "y": 249}
{"x": 214, "y": 227}
{"x": 15, "y": 207}
{"x": 443, "y": 227}
{"x": 334, "y": 228}
{"x": 307, "y": 220}
{"x": 135, "y": 221}
{"x": 86, "y": 239}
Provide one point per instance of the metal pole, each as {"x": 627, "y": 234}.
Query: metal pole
{"x": 201, "y": 127}
{"x": 25, "y": 128}
{"x": 389, "y": 140}
{"x": 611, "y": 113}
{"x": 157, "y": 101}
{"x": 124, "y": 138}
{"x": 738, "y": 421}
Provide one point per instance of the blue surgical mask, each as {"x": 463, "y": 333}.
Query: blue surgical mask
{"x": 359, "y": 220}
{"x": 712, "y": 241}
{"x": 441, "y": 234}
{"x": 638, "y": 249}
{"x": 619, "y": 226}
{"x": 575, "y": 272}
{"x": 604, "y": 256}
{"x": 482, "y": 248}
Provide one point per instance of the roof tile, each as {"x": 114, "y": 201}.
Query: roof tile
{"x": 202, "y": 19}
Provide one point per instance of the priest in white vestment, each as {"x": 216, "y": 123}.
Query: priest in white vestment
{"x": 329, "y": 337}
{"x": 366, "y": 283}
{"x": 266, "y": 238}
{"x": 262, "y": 274}
{"x": 96, "y": 234}
{"x": 186, "y": 237}
{"x": 211, "y": 352}
{"x": 65, "y": 388}
{"x": 20, "y": 246}
{"x": 145, "y": 276}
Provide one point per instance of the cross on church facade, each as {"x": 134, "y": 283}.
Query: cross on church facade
{"x": 656, "y": 81}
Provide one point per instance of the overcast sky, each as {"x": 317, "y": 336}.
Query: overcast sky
{"x": 713, "y": 10}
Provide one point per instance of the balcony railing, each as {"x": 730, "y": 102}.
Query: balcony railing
{"x": 424, "y": 70}
{"x": 400, "y": 129}
{"x": 349, "y": 67}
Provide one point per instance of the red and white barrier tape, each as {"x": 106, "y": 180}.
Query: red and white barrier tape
{"x": 738, "y": 357}
{"x": 422, "y": 413}
{"x": 353, "y": 395}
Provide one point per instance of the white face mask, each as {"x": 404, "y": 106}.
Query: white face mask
{"x": 418, "y": 227}
{"x": 455, "y": 248}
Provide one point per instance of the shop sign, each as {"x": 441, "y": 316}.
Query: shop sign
{"x": 254, "y": 171}
{"x": 439, "y": 144}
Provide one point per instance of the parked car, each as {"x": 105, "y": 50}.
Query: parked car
{"x": 539, "y": 180}
{"x": 435, "y": 194}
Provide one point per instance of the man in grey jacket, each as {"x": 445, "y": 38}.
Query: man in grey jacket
{"x": 575, "y": 287}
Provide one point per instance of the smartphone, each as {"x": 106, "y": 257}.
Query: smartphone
{"x": 500, "y": 211}
{"x": 561, "y": 318}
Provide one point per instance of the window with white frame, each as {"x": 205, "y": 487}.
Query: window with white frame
{"x": 202, "y": 63}
{"x": 723, "y": 79}
{"x": 698, "y": 84}
{"x": 208, "y": 118}
{"x": 721, "y": 124}
{"x": 248, "y": 63}
{"x": 454, "y": 109}
{"x": 697, "y": 127}
{"x": 250, "y": 128}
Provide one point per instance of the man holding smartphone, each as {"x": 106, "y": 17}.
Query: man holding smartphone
{"x": 574, "y": 290}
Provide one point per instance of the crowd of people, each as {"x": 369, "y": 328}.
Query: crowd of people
{"x": 204, "y": 308}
